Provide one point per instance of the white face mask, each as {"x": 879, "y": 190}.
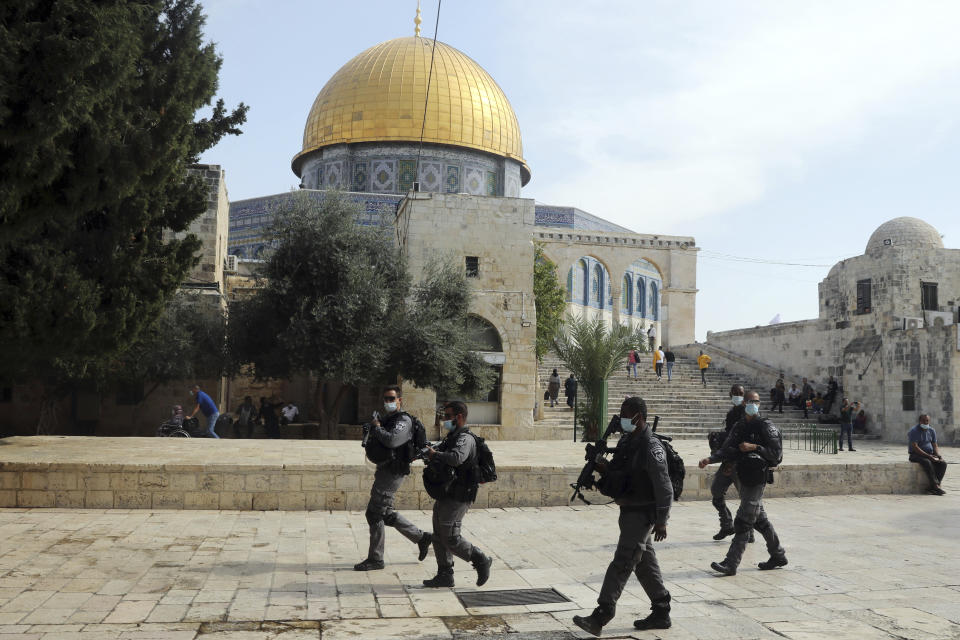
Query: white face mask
{"x": 752, "y": 408}
{"x": 627, "y": 425}
{"x": 924, "y": 426}
{"x": 389, "y": 407}
{"x": 736, "y": 400}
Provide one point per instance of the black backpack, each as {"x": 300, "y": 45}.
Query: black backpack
{"x": 486, "y": 467}
{"x": 418, "y": 440}
{"x": 674, "y": 465}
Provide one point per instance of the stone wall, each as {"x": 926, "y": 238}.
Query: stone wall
{"x": 808, "y": 348}
{"x": 338, "y": 488}
{"x": 498, "y": 232}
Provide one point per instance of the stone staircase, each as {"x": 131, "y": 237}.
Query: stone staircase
{"x": 686, "y": 408}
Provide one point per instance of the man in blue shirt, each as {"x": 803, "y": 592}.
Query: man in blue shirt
{"x": 922, "y": 447}
{"x": 209, "y": 408}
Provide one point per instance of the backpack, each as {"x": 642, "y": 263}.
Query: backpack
{"x": 486, "y": 467}
{"x": 674, "y": 465}
{"x": 418, "y": 439}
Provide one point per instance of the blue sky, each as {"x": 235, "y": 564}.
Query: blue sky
{"x": 784, "y": 132}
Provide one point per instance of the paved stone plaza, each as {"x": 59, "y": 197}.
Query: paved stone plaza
{"x": 861, "y": 567}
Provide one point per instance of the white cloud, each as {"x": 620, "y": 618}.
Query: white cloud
{"x": 739, "y": 105}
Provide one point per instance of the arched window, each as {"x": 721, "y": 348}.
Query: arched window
{"x": 641, "y": 297}
{"x": 584, "y": 282}
{"x": 482, "y": 335}
{"x": 596, "y": 287}
{"x": 654, "y": 301}
{"x": 626, "y": 295}
{"x": 570, "y": 282}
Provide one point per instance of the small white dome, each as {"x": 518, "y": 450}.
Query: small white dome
{"x": 905, "y": 232}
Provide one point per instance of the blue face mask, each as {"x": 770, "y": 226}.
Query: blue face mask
{"x": 449, "y": 425}
{"x": 751, "y": 409}
{"x": 924, "y": 426}
{"x": 627, "y": 425}
{"x": 389, "y": 407}
{"x": 736, "y": 400}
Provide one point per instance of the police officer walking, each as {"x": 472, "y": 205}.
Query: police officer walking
{"x": 638, "y": 479}
{"x": 456, "y": 458}
{"x": 726, "y": 475}
{"x": 385, "y": 447}
{"x": 755, "y": 444}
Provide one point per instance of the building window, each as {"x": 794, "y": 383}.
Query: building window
{"x": 863, "y": 296}
{"x": 6, "y": 394}
{"x": 130, "y": 393}
{"x": 596, "y": 287}
{"x": 473, "y": 267}
{"x": 626, "y": 302}
{"x": 928, "y": 296}
{"x": 654, "y": 301}
{"x": 909, "y": 396}
{"x": 641, "y": 297}
{"x": 585, "y": 281}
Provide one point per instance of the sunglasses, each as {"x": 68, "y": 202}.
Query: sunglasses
{"x": 389, "y": 398}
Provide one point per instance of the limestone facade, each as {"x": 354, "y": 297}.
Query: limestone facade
{"x": 886, "y": 329}
{"x": 674, "y": 259}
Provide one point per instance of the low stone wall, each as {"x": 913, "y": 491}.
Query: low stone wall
{"x": 347, "y": 487}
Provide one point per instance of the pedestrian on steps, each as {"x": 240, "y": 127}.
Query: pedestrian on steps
{"x": 553, "y": 387}
{"x": 703, "y": 361}
{"x": 670, "y": 358}
{"x": 632, "y": 363}
{"x": 658, "y": 363}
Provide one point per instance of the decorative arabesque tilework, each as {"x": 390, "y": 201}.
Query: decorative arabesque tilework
{"x": 408, "y": 172}
{"x": 573, "y": 218}
{"x": 383, "y": 176}
{"x": 250, "y": 219}
{"x": 334, "y": 175}
{"x": 452, "y": 181}
{"x": 490, "y": 184}
{"x": 430, "y": 176}
{"x": 360, "y": 176}
{"x": 512, "y": 187}
{"x": 473, "y": 182}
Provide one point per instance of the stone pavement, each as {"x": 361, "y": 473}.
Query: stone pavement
{"x": 861, "y": 567}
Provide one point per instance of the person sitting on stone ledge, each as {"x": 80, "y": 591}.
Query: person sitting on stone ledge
{"x": 922, "y": 447}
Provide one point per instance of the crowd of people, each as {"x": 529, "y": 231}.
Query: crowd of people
{"x": 271, "y": 415}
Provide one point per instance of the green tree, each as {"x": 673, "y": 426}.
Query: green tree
{"x": 592, "y": 351}
{"x": 549, "y": 297}
{"x": 98, "y": 127}
{"x": 186, "y": 343}
{"x": 336, "y": 301}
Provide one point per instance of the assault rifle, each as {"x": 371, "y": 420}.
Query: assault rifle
{"x": 595, "y": 452}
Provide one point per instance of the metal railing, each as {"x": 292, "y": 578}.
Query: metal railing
{"x": 819, "y": 439}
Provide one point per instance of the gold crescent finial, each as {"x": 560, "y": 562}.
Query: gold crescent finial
{"x": 417, "y": 21}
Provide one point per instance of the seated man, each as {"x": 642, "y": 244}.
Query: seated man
{"x": 923, "y": 450}
{"x": 290, "y": 413}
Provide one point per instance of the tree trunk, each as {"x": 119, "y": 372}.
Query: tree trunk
{"x": 48, "y": 421}
{"x": 329, "y": 410}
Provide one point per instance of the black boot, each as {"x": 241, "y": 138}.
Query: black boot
{"x": 482, "y": 564}
{"x": 594, "y": 622}
{"x": 424, "y": 544}
{"x": 724, "y": 532}
{"x": 444, "y": 578}
{"x": 773, "y": 563}
{"x": 659, "y": 618}
{"x": 750, "y": 539}
{"x": 368, "y": 565}
{"x": 724, "y": 568}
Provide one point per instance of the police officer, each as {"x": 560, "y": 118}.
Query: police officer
{"x": 726, "y": 475}
{"x": 755, "y": 445}
{"x": 638, "y": 479}
{"x": 457, "y": 451}
{"x": 386, "y": 439}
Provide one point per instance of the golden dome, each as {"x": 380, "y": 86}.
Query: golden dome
{"x": 378, "y": 96}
